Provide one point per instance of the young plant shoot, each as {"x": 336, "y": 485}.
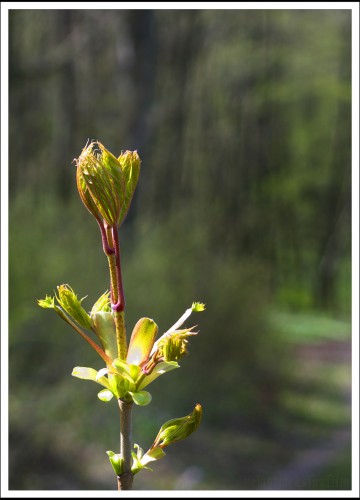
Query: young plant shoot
{"x": 106, "y": 185}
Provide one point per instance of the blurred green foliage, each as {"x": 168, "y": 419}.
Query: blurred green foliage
{"x": 242, "y": 120}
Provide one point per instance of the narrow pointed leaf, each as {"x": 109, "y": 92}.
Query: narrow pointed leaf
{"x": 196, "y": 307}
{"x": 159, "y": 369}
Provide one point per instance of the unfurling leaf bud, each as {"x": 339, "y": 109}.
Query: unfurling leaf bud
{"x": 130, "y": 164}
{"x": 174, "y": 349}
{"x": 47, "y": 303}
{"x": 102, "y": 304}
{"x": 100, "y": 182}
{"x": 172, "y": 431}
{"x": 173, "y": 346}
{"x": 105, "y": 183}
{"x": 116, "y": 461}
{"x": 197, "y": 307}
{"x": 72, "y": 305}
{"x": 178, "y": 428}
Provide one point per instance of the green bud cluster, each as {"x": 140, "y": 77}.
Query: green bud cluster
{"x": 68, "y": 300}
{"x": 173, "y": 347}
{"x": 106, "y": 184}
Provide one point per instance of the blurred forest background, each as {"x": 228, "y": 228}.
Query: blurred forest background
{"x": 242, "y": 119}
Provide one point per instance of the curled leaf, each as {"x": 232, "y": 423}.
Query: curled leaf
{"x": 116, "y": 461}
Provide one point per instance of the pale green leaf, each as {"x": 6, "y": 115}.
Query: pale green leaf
{"x": 119, "y": 386}
{"x": 124, "y": 370}
{"x": 142, "y": 341}
{"x": 142, "y": 398}
{"x": 121, "y": 366}
{"x": 86, "y": 373}
{"x": 104, "y": 327}
{"x": 105, "y": 395}
{"x": 135, "y": 371}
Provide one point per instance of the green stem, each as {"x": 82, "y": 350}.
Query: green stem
{"x": 120, "y": 334}
{"x": 125, "y": 480}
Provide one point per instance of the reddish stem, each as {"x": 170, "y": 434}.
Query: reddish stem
{"x": 120, "y": 304}
{"x": 108, "y": 250}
